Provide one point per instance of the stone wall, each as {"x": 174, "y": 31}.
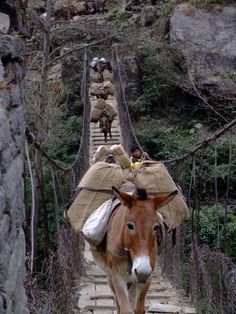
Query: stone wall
{"x": 12, "y": 240}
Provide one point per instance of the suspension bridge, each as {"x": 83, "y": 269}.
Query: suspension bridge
{"x": 209, "y": 289}
{"x": 95, "y": 295}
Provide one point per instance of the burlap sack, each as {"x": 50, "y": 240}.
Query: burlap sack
{"x": 121, "y": 156}
{"x": 95, "y": 115}
{"x": 109, "y": 88}
{"x": 111, "y": 110}
{"x": 101, "y": 153}
{"x": 96, "y": 89}
{"x": 100, "y": 104}
{"x": 154, "y": 177}
{"x": 100, "y": 176}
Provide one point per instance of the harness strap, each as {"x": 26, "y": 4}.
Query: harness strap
{"x": 158, "y": 193}
{"x": 106, "y": 191}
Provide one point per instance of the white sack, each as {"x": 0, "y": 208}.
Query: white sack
{"x": 95, "y": 227}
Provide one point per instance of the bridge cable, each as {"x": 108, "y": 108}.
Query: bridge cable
{"x": 203, "y": 144}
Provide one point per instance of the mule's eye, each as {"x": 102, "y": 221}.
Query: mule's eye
{"x": 156, "y": 227}
{"x": 130, "y": 226}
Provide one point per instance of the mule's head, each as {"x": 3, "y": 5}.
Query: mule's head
{"x": 142, "y": 230}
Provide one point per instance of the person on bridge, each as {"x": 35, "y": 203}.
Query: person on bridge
{"x": 137, "y": 156}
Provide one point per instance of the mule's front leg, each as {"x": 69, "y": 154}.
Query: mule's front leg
{"x": 141, "y": 292}
{"x": 121, "y": 294}
{"x": 113, "y": 290}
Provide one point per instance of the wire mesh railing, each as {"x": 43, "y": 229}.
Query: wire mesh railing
{"x": 55, "y": 288}
{"x": 207, "y": 276}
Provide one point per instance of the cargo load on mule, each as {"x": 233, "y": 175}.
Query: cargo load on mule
{"x": 155, "y": 178}
{"x": 101, "y": 153}
{"x": 121, "y": 156}
{"x": 109, "y": 87}
{"x": 117, "y": 151}
{"x": 100, "y": 105}
{"x": 93, "y": 190}
{"x": 95, "y": 227}
{"x": 93, "y": 205}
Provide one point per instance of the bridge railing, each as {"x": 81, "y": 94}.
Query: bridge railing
{"x": 62, "y": 269}
{"x": 81, "y": 163}
{"x": 205, "y": 276}
{"x": 128, "y": 135}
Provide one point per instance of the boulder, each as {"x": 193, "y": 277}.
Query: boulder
{"x": 11, "y": 47}
{"x": 207, "y": 40}
{"x": 147, "y": 16}
{"x": 4, "y": 23}
{"x": 78, "y": 7}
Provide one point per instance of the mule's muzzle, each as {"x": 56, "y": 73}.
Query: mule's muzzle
{"x": 142, "y": 277}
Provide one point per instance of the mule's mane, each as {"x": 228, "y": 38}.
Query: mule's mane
{"x": 141, "y": 194}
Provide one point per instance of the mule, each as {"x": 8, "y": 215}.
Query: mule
{"x": 131, "y": 247}
{"x": 105, "y": 122}
{"x": 100, "y": 67}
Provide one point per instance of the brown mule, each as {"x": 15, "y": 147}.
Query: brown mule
{"x": 131, "y": 248}
{"x": 105, "y": 122}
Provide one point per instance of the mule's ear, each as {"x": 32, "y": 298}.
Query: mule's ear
{"x": 164, "y": 198}
{"x": 125, "y": 198}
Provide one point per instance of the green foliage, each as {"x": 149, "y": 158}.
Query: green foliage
{"x": 209, "y": 234}
{"x": 157, "y": 67}
{"x": 116, "y": 14}
{"x": 119, "y": 17}
{"x": 65, "y": 139}
{"x": 164, "y": 140}
{"x": 232, "y": 76}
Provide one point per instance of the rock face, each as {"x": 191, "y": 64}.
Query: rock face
{"x": 4, "y": 23}
{"x": 12, "y": 241}
{"x": 16, "y": 12}
{"x": 130, "y": 73}
{"x": 208, "y": 41}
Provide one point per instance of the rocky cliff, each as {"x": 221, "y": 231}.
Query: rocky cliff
{"x": 207, "y": 39}
{"x": 12, "y": 240}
